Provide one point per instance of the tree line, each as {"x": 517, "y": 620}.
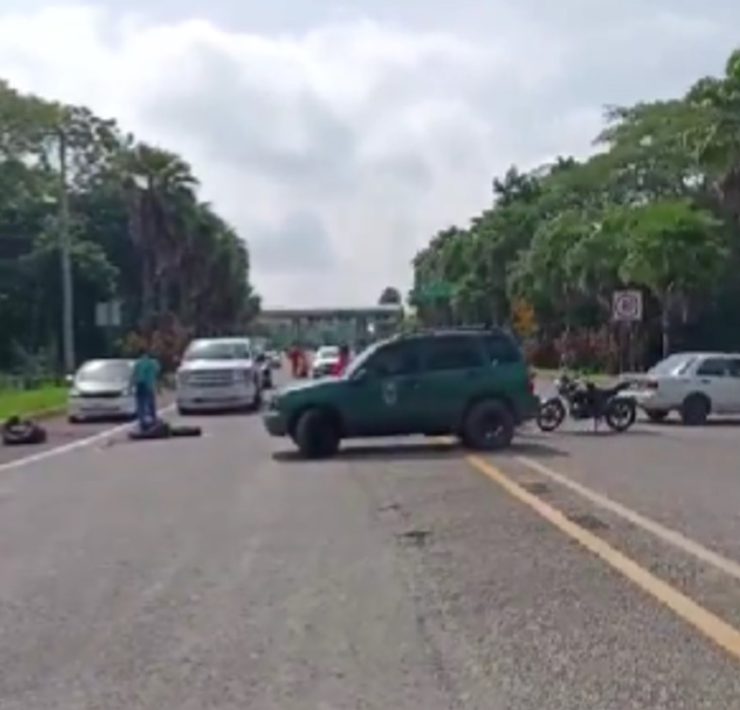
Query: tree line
{"x": 138, "y": 234}
{"x": 656, "y": 208}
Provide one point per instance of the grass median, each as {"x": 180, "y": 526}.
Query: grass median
{"x": 28, "y": 403}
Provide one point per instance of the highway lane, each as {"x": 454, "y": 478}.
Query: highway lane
{"x": 61, "y": 433}
{"x": 222, "y": 572}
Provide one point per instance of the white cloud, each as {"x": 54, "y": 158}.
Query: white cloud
{"x": 337, "y": 150}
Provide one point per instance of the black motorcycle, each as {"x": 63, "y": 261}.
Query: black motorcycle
{"x": 584, "y": 400}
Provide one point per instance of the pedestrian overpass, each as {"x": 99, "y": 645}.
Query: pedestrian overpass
{"x": 355, "y": 327}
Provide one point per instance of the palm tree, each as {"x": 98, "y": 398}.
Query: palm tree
{"x": 159, "y": 187}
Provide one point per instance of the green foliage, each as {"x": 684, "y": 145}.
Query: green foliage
{"x": 138, "y": 234}
{"x": 658, "y": 208}
{"x": 390, "y": 297}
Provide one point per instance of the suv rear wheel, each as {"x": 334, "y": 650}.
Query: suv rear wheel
{"x": 488, "y": 426}
{"x": 316, "y": 435}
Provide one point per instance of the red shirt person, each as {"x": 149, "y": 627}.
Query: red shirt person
{"x": 342, "y": 362}
{"x": 295, "y": 356}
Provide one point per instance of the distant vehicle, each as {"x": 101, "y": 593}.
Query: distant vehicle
{"x": 324, "y": 361}
{"x": 470, "y": 383}
{"x": 693, "y": 384}
{"x": 218, "y": 373}
{"x": 102, "y": 389}
{"x": 275, "y": 359}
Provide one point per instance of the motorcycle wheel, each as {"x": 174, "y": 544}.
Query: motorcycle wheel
{"x": 550, "y": 415}
{"x": 620, "y": 414}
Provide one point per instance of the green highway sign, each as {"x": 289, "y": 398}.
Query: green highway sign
{"x": 435, "y": 290}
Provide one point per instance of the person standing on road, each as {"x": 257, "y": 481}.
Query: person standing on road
{"x": 145, "y": 377}
{"x": 342, "y": 362}
{"x": 294, "y": 356}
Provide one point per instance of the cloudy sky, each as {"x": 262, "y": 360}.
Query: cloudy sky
{"x": 338, "y": 136}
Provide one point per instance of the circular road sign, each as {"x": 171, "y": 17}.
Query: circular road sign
{"x": 627, "y": 305}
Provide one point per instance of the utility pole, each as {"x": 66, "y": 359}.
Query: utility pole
{"x": 68, "y": 334}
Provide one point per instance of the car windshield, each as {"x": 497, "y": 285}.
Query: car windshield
{"x": 105, "y": 371}
{"x": 218, "y": 350}
{"x": 672, "y": 365}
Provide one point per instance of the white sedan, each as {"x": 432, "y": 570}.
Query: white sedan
{"x": 693, "y": 384}
{"x": 324, "y": 361}
{"x": 102, "y": 389}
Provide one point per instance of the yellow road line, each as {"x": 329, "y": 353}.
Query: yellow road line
{"x": 714, "y": 628}
{"x": 672, "y": 537}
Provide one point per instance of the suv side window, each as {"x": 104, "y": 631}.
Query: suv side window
{"x": 395, "y": 360}
{"x": 453, "y": 353}
{"x": 713, "y": 367}
{"x": 500, "y": 349}
{"x": 734, "y": 367}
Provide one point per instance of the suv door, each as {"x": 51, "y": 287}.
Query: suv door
{"x": 507, "y": 374}
{"x": 453, "y": 369}
{"x": 385, "y": 393}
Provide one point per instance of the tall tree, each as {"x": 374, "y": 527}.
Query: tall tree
{"x": 136, "y": 232}
{"x": 657, "y": 208}
{"x": 390, "y": 297}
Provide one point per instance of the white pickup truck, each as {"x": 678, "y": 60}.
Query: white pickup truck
{"x": 218, "y": 374}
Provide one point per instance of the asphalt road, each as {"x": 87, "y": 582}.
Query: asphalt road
{"x": 224, "y": 573}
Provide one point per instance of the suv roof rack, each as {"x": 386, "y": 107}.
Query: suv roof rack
{"x": 453, "y": 330}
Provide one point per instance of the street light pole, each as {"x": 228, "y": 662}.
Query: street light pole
{"x": 65, "y": 261}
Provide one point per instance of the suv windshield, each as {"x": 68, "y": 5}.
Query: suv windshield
{"x": 105, "y": 371}
{"x": 218, "y": 350}
{"x": 361, "y": 360}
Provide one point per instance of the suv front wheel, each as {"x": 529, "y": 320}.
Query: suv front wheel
{"x": 316, "y": 435}
{"x": 488, "y": 426}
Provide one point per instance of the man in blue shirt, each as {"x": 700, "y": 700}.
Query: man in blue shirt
{"x": 145, "y": 376}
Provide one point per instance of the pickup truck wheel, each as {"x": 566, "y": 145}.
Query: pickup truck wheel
{"x": 316, "y": 435}
{"x": 488, "y": 426}
{"x": 695, "y": 410}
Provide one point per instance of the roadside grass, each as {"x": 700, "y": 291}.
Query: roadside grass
{"x": 24, "y": 403}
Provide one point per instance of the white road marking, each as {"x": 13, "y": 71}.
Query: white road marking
{"x": 672, "y": 537}
{"x": 65, "y": 448}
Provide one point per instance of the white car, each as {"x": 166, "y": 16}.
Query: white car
{"x": 218, "y": 374}
{"x": 102, "y": 389}
{"x": 693, "y": 384}
{"x": 324, "y": 361}
{"x": 275, "y": 359}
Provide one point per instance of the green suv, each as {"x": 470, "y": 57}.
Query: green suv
{"x": 470, "y": 383}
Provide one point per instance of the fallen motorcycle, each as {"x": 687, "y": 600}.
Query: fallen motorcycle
{"x": 17, "y": 431}
{"x": 584, "y": 400}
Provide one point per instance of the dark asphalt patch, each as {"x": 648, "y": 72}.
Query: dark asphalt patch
{"x": 536, "y": 488}
{"x": 391, "y": 507}
{"x": 417, "y": 538}
{"x": 588, "y": 521}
